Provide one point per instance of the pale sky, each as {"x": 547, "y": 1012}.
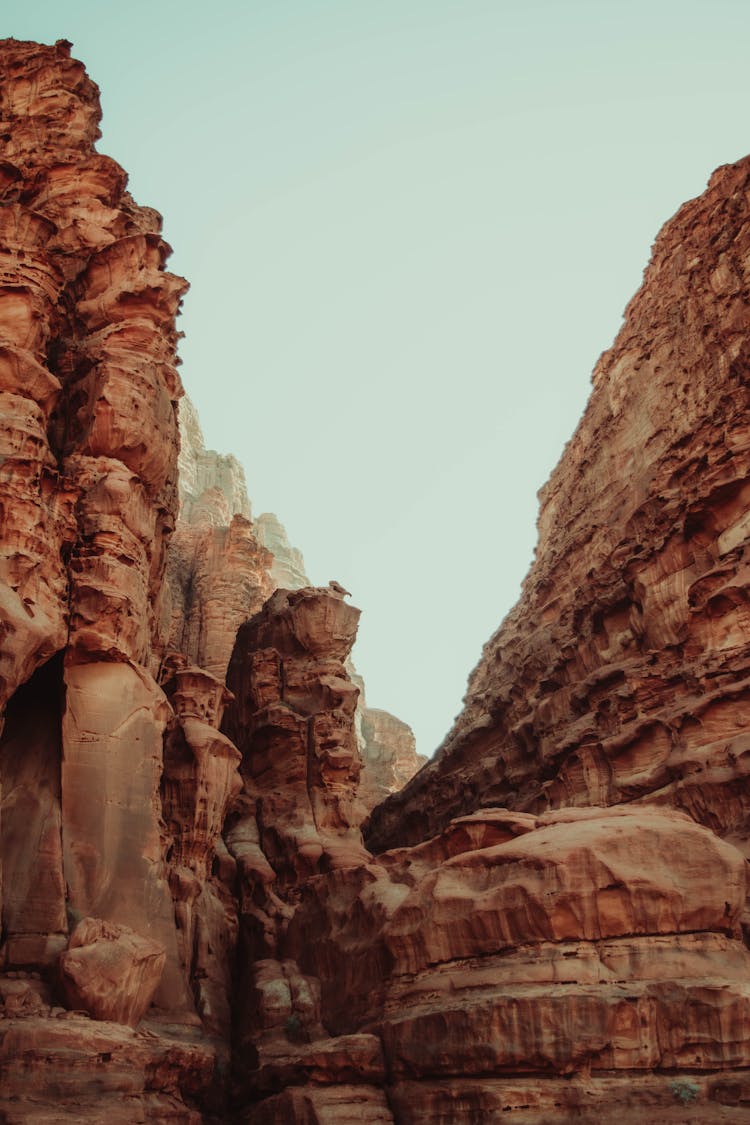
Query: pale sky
{"x": 410, "y": 228}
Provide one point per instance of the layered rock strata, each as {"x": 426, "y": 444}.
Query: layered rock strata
{"x": 223, "y": 565}
{"x": 182, "y": 863}
{"x": 389, "y": 756}
{"x": 513, "y": 962}
{"x": 89, "y": 469}
{"x": 219, "y": 572}
{"x": 622, "y": 673}
{"x": 89, "y": 472}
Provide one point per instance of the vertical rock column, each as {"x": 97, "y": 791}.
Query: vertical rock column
{"x": 45, "y": 106}
{"x": 293, "y": 721}
{"x": 124, "y": 442}
{"x": 89, "y": 386}
{"x": 200, "y": 779}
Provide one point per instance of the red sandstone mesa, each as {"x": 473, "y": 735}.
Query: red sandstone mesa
{"x": 553, "y": 927}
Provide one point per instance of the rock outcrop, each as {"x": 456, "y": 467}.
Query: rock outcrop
{"x": 89, "y": 471}
{"x": 550, "y": 922}
{"x": 218, "y": 571}
{"x": 110, "y": 972}
{"x": 622, "y": 673}
{"x": 389, "y": 756}
{"x": 221, "y": 568}
{"x": 288, "y": 566}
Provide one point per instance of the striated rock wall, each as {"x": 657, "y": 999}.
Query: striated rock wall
{"x": 555, "y": 926}
{"x": 222, "y": 566}
{"x": 389, "y": 756}
{"x": 622, "y": 673}
{"x": 288, "y": 566}
{"x": 218, "y": 572}
{"x": 89, "y": 469}
{"x": 513, "y": 962}
{"x": 88, "y": 458}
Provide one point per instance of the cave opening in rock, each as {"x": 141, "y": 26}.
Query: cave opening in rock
{"x": 33, "y": 885}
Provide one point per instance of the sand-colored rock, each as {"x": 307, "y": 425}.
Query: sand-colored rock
{"x": 218, "y": 568}
{"x": 92, "y": 1071}
{"x": 110, "y": 971}
{"x": 288, "y": 566}
{"x": 200, "y": 779}
{"x": 327, "y": 1105}
{"x": 389, "y": 756}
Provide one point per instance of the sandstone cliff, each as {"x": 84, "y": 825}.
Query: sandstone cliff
{"x": 622, "y": 673}
{"x": 89, "y": 465}
{"x": 192, "y": 926}
{"x": 219, "y": 573}
{"x": 222, "y": 566}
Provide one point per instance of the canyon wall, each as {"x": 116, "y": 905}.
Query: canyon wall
{"x": 550, "y": 922}
{"x": 223, "y": 565}
{"x": 622, "y": 673}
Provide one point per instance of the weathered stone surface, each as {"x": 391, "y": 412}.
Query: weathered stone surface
{"x": 89, "y": 441}
{"x": 110, "y": 971}
{"x": 288, "y": 566}
{"x": 389, "y": 756}
{"x": 343, "y": 1061}
{"x": 34, "y": 921}
{"x": 293, "y": 721}
{"x": 199, "y": 781}
{"x": 219, "y": 578}
{"x": 327, "y": 1105}
{"x": 650, "y": 1099}
{"x": 112, "y": 733}
{"x": 218, "y": 569}
{"x": 546, "y": 937}
{"x": 86, "y": 1070}
{"x": 206, "y": 471}
{"x": 622, "y": 673}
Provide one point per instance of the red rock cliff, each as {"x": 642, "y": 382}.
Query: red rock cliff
{"x": 182, "y": 864}
{"x": 89, "y": 471}
{"x": 622, "y": 673}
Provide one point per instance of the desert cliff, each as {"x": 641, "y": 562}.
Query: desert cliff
{"x": 211, "y": 909}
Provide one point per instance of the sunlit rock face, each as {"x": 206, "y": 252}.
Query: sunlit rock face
{"x": 293, "y": 720}
{"x": 288, "y": 566}
{"x": 622, "y": 673}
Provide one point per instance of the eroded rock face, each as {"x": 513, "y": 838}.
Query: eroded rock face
{"x": 218, "y": 568}
{"x": 571, "y": 945}
{"x": 293, "y": 720}
{"x": 88, "y": 448}
{"x": 622, "y": 673}
{"x": 389, "y": 756}
{"x": 529, "y": 957}
{"x": 288, "y": 566}
{"x": 110, "y": 972}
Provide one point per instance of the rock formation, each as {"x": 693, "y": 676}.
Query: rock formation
{"x": 389, "y": 756}
{"x": 89, "y": 469}
{"x": 288, "y": 566}
{"x": 555, "y": 924}
{"x": 219, "y": 572}
{"x": 513, "y": 954}
{"x": 622, "y": 673}
{"x": 221, "y": 568}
